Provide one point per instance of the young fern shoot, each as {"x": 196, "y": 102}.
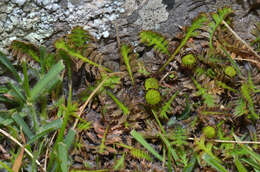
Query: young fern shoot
{"x": 191, "y": 32}
{"x": 125, "y": 51}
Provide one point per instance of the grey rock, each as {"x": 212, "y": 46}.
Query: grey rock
{"x": 19, "y": 2}
{"x": 152, "y": 14}
{"x": 114, "y": 66}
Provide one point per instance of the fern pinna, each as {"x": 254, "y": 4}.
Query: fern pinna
{"x": 155, "y": 39}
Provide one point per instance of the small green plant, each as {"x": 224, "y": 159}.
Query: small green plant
{"x": 209, "y": 132}
{"x": 151, "y": 83}
{"x": 208, "y": 99}
{"x": 125, "y": 51}
{"x": 230, "y": 71}
{"x": 191, "y": 32}
{"x": 153, "y": 97}
{"x": 247, "y": 97}
{"x": 74, "y": 45}
{"x": 154, "y": 39}
{"x": 188, "y": 60}
{"x": 167, "y": 106}
{"x": 218, "y": 18}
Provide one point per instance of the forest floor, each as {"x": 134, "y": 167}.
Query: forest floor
{"x": 185, "y": 102}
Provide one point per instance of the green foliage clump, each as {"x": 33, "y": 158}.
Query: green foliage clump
{"x": 209, "y": 132}
{"x": 153, "y": 97}
{"x": 230, "y": 71}
{"x": 154, "y": 39}
{"x": 151, "y": 83}
{"x": 188, "y": 60}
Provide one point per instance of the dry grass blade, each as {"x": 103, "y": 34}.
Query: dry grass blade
{"x": 240, "y": 39}
{"x": 19, "y": 144}
{"x": 18, "y": 161}
{"x": 231, "y": 141}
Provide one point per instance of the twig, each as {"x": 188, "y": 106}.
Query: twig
{"x": 47, "y": 151}
{"x": 19, "y": 144}
{"x": 168, "y": 73}
{"x": 92, "y": 95}
{"x": 231, "y": 141}
{"x": 240, "y": 39}
{"x": 249, "y": 60}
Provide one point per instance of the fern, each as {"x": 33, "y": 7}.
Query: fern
{"x": 191, "y": 32}
{"x": 119, "y": 103}
{"x": 167, "y": 106}
{"x": 251, "y": 84}
{"x": 125, "y": 50}
{"x": 60, "y": 44}
{"x": 137, "y": 153}
{"x": 205, "y": 148}
{"x": 141, "y": 68}
{"x": 154, "y": 39}
{"x": 240, "y": 108}
{"x": 24, "y": 49}
{"x": 218, "y": 18}
{"x": 246, "y": 95}
{"x": 84, "y": 126}
{"x": 208, "y": 99}
{"x": 79, "y": 38}
{"x": 120, "y": 163}
{"x": 225, "y": 86}
{"x": 179, "y": 137}
{"x": 140, "y": 154}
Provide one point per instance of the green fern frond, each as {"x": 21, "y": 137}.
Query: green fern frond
{"x": 60, "y": 44}
{"x": 24, "y": 49}
{"x": 240, "y": 108}
{"x": 208, "y": 99}
{"x": 200, "y": 145}
{"x": 191, "y": 32}
{"x": 218, "y": 18}
{"x": 124, "y": 108}
{"x": 154, "y": 39}
{"x": 247, "y": 97}
{"x": 167, "y": 106}
{"x": 225, "y": 86}
{"x": 79, "y": 38}
{"x": 251, "y": 84}
{"x": 179, "y": 137}
{"x": 140, "y": 154}
{"x": 84, "y": 126}
{"x": 125, "y": 51}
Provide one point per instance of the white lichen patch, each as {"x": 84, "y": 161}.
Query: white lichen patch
{"x": 152, "y": 14}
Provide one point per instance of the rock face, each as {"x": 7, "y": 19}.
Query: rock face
{"x": 39, "y": 20}
{"x": 42, "y": 21}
